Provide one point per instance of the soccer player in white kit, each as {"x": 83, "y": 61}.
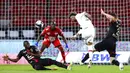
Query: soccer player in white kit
{"x": 87, "y": 30}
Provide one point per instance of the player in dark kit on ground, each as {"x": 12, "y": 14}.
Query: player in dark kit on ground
{"x": 32, "y": 55}
{"x": 109, "y": 43}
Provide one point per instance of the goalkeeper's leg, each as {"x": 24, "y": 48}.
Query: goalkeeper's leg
{"x": 57, "y": 44}
{"x": 62, "y": 53}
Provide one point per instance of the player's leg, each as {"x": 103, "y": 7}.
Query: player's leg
{"x": 62, "y": 53}
{"x": 40, "y": 67}
{"x": 57, "y": 44}
{"x": 88, "y": 56}
{"x": 88, "y": 35}
{"x": 49, "y": 62}
{"x": 111, "y": 48}
{"x": 45, "y": 44}
{"x": 59, "y": 64}
{"x": 112, "y": 52}
{"x": 100, "y": 46}
{"x": 89, "y": 43}
{"x": 84, "y": 59}
{"x": 115, "y": 62}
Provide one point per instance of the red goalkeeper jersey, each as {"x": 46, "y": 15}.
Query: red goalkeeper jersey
{"x": 51, "y": 34}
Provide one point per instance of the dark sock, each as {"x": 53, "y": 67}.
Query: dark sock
{"x": 85, "y": 58}
{"x": 59, "y": 64}
{"x": 115, "y": 62}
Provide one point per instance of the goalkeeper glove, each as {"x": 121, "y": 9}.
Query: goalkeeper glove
{"x": 66, "y": 46}
{"x": 36, "y": 44}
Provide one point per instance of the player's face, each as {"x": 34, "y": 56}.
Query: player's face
{"x": 52, "y": 26}
{"x": 73, "y": 18}
{"x": 26, "y": 45}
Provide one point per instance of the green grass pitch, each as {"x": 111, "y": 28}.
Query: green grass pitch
{"x": 75, "y": 69}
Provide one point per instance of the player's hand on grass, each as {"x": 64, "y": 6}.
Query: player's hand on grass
{"x": 6, "y": 57}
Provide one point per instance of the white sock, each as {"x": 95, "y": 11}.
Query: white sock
{"x": 90, "y": 56}
{"x": 90, "y": 49}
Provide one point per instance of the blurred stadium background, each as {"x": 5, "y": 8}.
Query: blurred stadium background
{"x": 18, "y": 17}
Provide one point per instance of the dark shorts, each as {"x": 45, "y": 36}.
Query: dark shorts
{"x": 46, "y": 61}
{"x": 41, "y": 63}
{"x": 108, "y": 44}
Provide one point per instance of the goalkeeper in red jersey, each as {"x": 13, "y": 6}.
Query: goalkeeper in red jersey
{"x": 50, "y": 34}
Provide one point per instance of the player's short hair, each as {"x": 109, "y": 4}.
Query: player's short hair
{"x": 113, "y": 14}
{"x": 25, "y": 42}
{"x": 72, "y": 14}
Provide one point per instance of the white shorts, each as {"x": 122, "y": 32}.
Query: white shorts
{"x": 88, "y": 34}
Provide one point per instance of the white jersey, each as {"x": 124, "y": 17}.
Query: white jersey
{"x": 84, "y": 21}
{"x": 87, "y": 29}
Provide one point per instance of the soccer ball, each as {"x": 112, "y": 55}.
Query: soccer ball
{"x": 39, "y": 24}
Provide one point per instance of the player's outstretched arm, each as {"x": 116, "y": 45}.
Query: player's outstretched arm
{"x": 74, "y": 37}
{"x": 78, "y": 33}
{"x": 64, "y": 39}
{"x": 39, "y": 37}
{"x": 6, "y": 58}
{"x": 108, "y": 16}
{"x": 66, "y": 45}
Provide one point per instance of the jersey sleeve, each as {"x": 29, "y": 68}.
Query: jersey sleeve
{"x": 20, "y": 54}
{"x": 60, "y": 32}
{"x": 43, "y": 32}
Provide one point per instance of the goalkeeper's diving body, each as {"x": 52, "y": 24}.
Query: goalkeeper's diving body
{"x": 32, "y": 55}
{"x": 87, "y": 30}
